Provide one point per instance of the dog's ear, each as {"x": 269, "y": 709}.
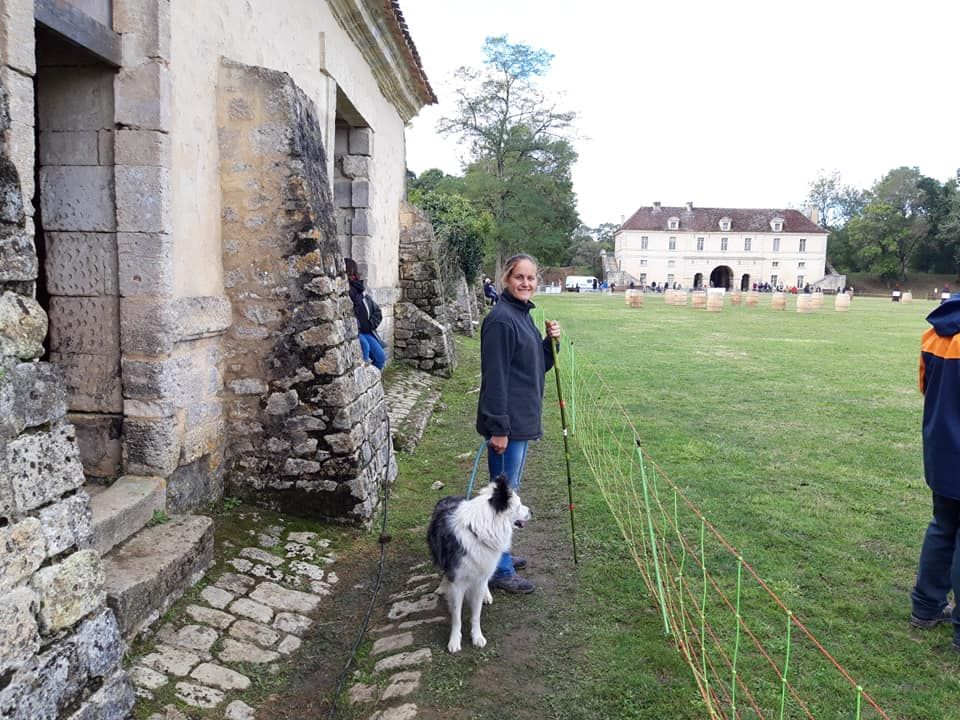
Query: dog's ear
{"x": 501, "y": 493}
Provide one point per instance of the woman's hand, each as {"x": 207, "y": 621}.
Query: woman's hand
{"x": 498, "y": 443}
{"x": 553, "y": 329}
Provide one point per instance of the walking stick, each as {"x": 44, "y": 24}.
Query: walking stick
{"x": 566, "y": 447}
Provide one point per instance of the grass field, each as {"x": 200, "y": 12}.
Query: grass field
{"x": 797, "y": 436}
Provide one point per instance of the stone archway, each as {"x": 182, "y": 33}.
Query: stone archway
{"x": 698, "y": 281}
{"x": 745, "y": 282}
{"x": 721, "y": 277}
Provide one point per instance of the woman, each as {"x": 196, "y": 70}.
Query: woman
{"x": 370, "y": 344}
{"x": 513, "y": 362}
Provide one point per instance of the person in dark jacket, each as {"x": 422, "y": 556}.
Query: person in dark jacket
{"x": 939, "y": 568}
{"x": 490, "y": 292}
{"x": 370, "y": 343}
{"x": 513, "y": 361}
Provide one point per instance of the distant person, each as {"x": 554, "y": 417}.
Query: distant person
{"x": 368, "y": 317}
{"x": 945, "y": 293}
{"x": 632, "y": 285}
{"x": 939, "y": 567}
{"x": 490, "y": 292}
{"x": 594, "y": 283}
{"x": 613, "y": 287}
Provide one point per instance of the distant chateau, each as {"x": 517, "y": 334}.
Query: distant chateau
{"x": 722, "y": 247}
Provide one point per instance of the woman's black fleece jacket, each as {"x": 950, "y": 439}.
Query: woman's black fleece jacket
{"x": 513, "y": 361}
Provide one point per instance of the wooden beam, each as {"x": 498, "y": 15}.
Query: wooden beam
{"x": 77, "y": 27}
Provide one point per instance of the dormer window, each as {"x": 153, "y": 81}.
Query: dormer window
{"x": 725, "y": 224}
{"x": 673, "y": 223}
{"x": 777, "y": 224}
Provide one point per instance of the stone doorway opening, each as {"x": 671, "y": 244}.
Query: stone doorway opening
{"x": 76, "y": 223}
{"x": 721, "y": 277}
{"x": 745, "y": 282}
{"x": 698, "y": 281}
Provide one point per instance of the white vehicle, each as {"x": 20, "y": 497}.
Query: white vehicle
{"x": 579, "y": 283}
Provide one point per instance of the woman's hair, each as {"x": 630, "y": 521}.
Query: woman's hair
{"x": 511, "y": 263}
{"x": 352, "y": 270}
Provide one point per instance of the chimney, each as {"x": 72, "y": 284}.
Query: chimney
{"x": 813, "y": 213}
{"x": 656, "y": 206}
{"x": 689, "y": 206}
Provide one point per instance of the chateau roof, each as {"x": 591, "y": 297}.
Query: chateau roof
{"x": 413, "y": 57}
{"x": 707, "y": 220}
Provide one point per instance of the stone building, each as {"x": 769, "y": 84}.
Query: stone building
{"x": 179, "y": 185}
{"x": 725, "y": 247}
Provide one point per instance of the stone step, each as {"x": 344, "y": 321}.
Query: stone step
{"x": 124, "y": 508}
{"x": 149, "y": 572}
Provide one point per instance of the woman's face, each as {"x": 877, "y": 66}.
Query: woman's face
{"x": 522, "y": 281}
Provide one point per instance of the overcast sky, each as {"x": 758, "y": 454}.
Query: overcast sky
{"x": 725, "y": 104}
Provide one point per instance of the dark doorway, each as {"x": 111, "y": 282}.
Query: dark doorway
{"x": 721, "y": 277}
{"x": 698, "y": 281}
{"x": 745, "y": 282}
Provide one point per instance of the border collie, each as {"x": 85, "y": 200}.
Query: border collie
{"x": 466, "y": 539}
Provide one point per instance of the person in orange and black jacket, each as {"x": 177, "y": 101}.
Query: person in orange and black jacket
{"x": 939, "y": 568}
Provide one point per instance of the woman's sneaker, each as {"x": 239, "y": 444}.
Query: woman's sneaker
{"x": 946, "y": 615}
{"x": 511, "y": 584}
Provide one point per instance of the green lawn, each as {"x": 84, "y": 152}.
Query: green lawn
{"x": 797, "y": 436}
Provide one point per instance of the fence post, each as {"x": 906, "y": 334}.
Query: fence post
{"x": 653, "y": 542}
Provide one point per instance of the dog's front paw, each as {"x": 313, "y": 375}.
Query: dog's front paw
{"x": 487, "y": 597}
{"x": 454, "y": 645}
{"x": 478, "y": 640}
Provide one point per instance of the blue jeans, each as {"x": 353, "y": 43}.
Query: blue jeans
{"x": 511, "y": 465}
{"x": 939, "y": 570}
{"x": 373, "y": 351}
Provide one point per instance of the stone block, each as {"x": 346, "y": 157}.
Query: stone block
{"x": 92, "y": 381}
{"x": 81, "y": 263}
{"x": 23, "y": 326}
{"x": 99, "y": 644}
{"x": 152, "y": 446}
{"x": 202, "y": 316}
{"x": 105, "y": 143}
{"x": 17, "y": 47}
{"x": 84, "y": 325}
{"x": 143, "y": 96}
{"x": 143, "y": 199}
{"x": 146, "y": 29}
{"x": 22, "y": 550}
{"x": 69, "y": 590}
{"x": 43, "y": 466}
{"x": 18, "y": 256}
{"x": 142, "y": 147}
{"x": 341, "y": 140}
{"x": 147, "y": 327}
{"x": 146, "y": 276}
{"x": 40, "y": 395}
{"x": 78, "y": 198}
{"x": 113, "y": 701}
{"x": 75, "y": 98}
{"x": 342, "y": 193}
{"x": 20, "y": 147}
{"x": 359, "y": 198}
{"x": 154, "y": 568}
{"x": 280, "y": 598}
{"x": 124, "y": 508}
{"x": 20, "y": 98}
{"x": 19, "y": 634}
{"x": 67, "y": 524}
{"x": 361, "y": 141}
{"x": 69, "y": 147}
{"x": 220, "y": 677}
{"x": 362, "y": 222}
{"x": 355, "y": 166}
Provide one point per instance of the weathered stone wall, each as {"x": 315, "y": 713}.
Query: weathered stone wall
{"x": 306, "y": 419}
{"x": 421, "y": 336}
{"x": 60, "y": 648}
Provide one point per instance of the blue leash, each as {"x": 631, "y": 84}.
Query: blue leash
{"x": 476, "y": 464}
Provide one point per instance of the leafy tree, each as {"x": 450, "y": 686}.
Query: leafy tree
{"x": 835, "y": 203}
{"x": 519, "y": 161}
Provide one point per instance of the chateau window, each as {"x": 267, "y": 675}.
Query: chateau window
{"x": 723, "y": 243}
{"x": 747, "y": 242}
{"x": 803, "y": 244}
{"x": 775, "y": 263}
{"x": 671, "y": 263}
{"x": 673, "y": 223}
{"x": 673, "y": 244}
{"x": 800, "y": 281}
{"x": 725, "y": 224}
{"x": 773, "y": 280}
{"x": 644, "y": 240}
{"x": 700, "y": 244}
{"x": 643, "y": 278}
{"x": 776, "y": 224}
{"x": 643, "y": 261}
{"x": 801, "y": 264}
{"x": 776, "y": 244}
{"x": 669, "y": 279}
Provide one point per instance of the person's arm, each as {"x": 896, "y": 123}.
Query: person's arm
{"x": 497, "y": 342}
{"x": 553, "y": 336}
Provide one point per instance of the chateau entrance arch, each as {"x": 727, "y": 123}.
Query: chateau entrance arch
{"x": 721, "y": 277}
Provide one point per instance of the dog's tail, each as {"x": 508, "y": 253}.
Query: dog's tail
{"x": 501, "y": 493}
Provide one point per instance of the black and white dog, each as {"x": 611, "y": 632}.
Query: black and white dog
{"x": 466, "y": 539}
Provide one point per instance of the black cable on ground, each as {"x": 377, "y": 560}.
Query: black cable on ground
{"x": 383, "y": 540}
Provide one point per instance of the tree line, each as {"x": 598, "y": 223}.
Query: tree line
{"x": 906, "y": 221}
{"x": 516, "y": 192}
